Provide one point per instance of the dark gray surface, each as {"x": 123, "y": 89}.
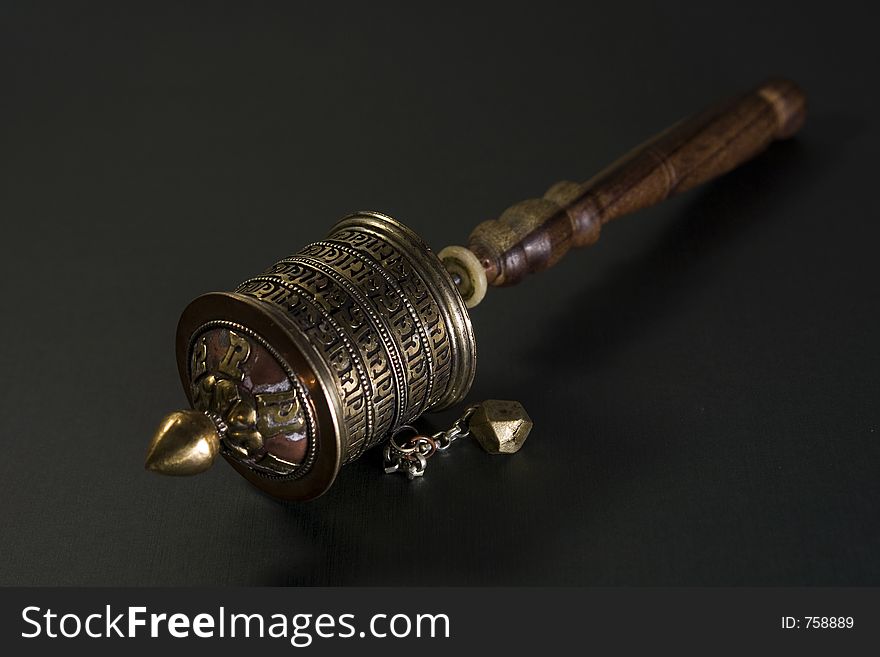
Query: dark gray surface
{"x": 704, "y": 381}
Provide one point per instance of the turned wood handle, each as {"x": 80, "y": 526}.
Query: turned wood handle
{"x": 533, "y": 235}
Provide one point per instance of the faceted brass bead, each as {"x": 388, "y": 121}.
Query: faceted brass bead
{"x": 501, "y": 427}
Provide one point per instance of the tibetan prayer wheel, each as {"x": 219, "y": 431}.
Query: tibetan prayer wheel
{"x": 318, "y": 358}
{"x": 331, "y": 350}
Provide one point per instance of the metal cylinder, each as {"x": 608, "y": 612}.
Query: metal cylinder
{"x": 320, "y": 357}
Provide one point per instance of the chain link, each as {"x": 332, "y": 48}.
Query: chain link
{"x": 411, "y": 456}
{"x": 459, "y": 429}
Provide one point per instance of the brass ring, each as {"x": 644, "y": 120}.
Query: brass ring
{"x": 401, "y": 448}
{"x": 416, "y": 440}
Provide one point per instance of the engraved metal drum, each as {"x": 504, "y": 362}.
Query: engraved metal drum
{"x": 323, "y": 355}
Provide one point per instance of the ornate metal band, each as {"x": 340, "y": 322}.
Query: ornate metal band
{"x": 379, "y": 309}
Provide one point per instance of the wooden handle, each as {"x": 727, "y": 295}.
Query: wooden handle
{"x": 533, "y": 235}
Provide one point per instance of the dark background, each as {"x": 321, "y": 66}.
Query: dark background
{"x": 703, "y": 381}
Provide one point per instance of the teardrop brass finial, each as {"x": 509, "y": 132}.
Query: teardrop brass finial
{"x": 186, "y": 443}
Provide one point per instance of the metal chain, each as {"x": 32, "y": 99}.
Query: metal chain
{"x": 411, "y": 456}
